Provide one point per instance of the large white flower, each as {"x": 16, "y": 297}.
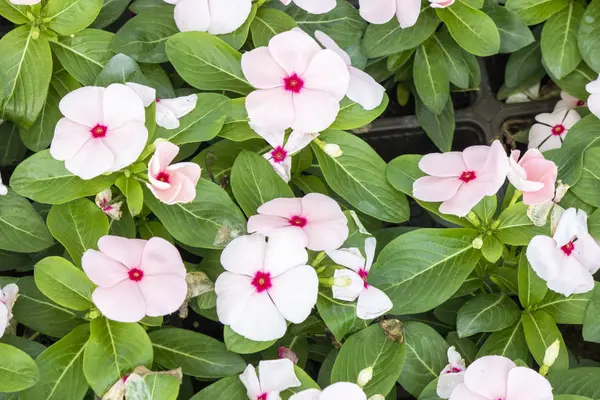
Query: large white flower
{"x": 217, "y": 17}
{"x": 452, "y": 375}
{"x": 275, "y": 377}
{"x": 593, "y": 101}
{"x": 551, "y": 129}
{"x": 8, "y": 296}
{"x": 353, "y": 282}
{"x": 567, "y": 260}
{"x": 266, "y": 284}
{"x": 337, "y": 391}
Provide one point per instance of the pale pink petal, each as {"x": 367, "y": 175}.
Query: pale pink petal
{"x": 314, "y": 111}
{"x": 372, "y": 303}
{"x": 227, "y": 16}
{"x": 299, "y": 140}
{"x": 475, "y": 157}
{"x": 370, "y": 247}
{"x": 531, "y": 154}
{"x": 192, "y": 15}
{"x": 572, "y": 224}
{"x": 126, "y": 251}
{"x": 285, "y": 250}
{"x": 146, "y": 93}
{"x": 349, "y": 258}
{"x": 245, "y": 255}
{"x": 250, "y": 381}
{"x": 572, "y": 278}
{"x": 277, "y": 375}
{"x": 330, "y": 44}
{"x": 316, "y": 6}
{"x": 293, "y": 51}
{"x": 232, "y": 290}
{"x": 283, "y": 169}
{"x": 122, "y": 302}
{"x": 272, "y": 108}
{"x": 92, "y": 160}
{"x": 587, "y": 252}
{"x": 163, "y": 156}
{"x": 282, "y": 207}
{"x": 309, "y": 394}
{"x": 463, "y": 393}
{"x": 161, "y": 257}
{"x": 544, "y": 257}
{"x": 364, "y": 90}
{"x": 343, "y": 390}
{"x": 441, "y": 3}
{"x": 318, "y": 207}
{"x": 467, "y": 197}
{"x": 432, "y": 188}
{"x": 377, "y": 11}
{"x": 3, "y": 319}
{"x": 488, "y": 375}
{"x": 328, "y": 73}
{"x": 443, "y": 164}
{"x": 594, "y": 104}
{"x": 593, "y": 87}
{"x": 171, "y": 191}
{"x": 126, "y": 143}
{"x": 495, "y": 169}
{"x": 261, "y": 70}
{"x": 84, "y": 105}
{"x": 295, "y": 293}
{"x": 165, "y": 117}
{"x": 571, "y": 119}
{"x": 353, "y": 285}
{"x": 190, "y": 170}
{"x": 121, "y": 106}
{"x": 180, "y": 106}
{"x": 274, "y": 137}
{"x": 407, "y": 12}
{"x": 526, "y": 384}
{"x": 268, "y": 224}
{"x": 69, "y": 138}
{"x": 551, "y": 119}
{"x": 258, "y": 319}
{"x": 103, "y": 270}
{"x": 326, "y": 235}
{"x": 448, "y": 382}
{"x": 163, "y": 294}
{"x": 540, "y": 134}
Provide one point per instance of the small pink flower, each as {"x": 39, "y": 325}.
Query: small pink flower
{"x": 8, "y": 296}
{"x": 275, "y": 377}
{"x": 110, "y": 208}
{"x": 336, "y": 391}
{"x": 285, "y": 352}
{"x": 568, "y": 102}
{"x": 313, "y": 6}
{"x": 452, "y": 375}
{"x": 217, "y": 17}
{"x": 135, "y": 278}
{"x": 319, "y": 218}
{"x": 551, "y": 129}
{"x": 299, "y": 84}
{"x": 172, "y": 184}
{"x": 103, "y": 130}
{"x": 461, "y": 180}
{"x": 533, "y": 175}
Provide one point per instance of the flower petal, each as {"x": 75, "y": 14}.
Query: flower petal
{"x": 267, "y": 224}
{"x": 92, "y": 160}
{"x": 572, "y": 224}
{"x": 299, "y": 140}
{"x": 526, "y": 384}
{"x": 190, "y": 170}
{"x": 364, "y": 90}
{"x": 343, "y": 390}
{"x": 309, "y": 394}
{"x": 103, "y": 270}
{"x": 3, "y": 319}
{"x": 544, "y": 257}
{"x": 372, "y": 303}
{"x": 250, "y": 381}
{"x": 161, "y": 257}
{"x": 126, "y": 251}
{"x": 122, "y": 106}
{"x": 166, "y": 118}
{"x": 571, "y": 119}
{"x": 443, "y": 164}
{"x": 377, "y": 11}
{"x": 407, "y": 12}
{"x": 432, "y": 188}
{"x": 126, "y": 143}
{"x": 285, "y": 250}
{"x": 192, "y": 15}
{"x": 349, "y": 258}
{"x": 69, "y": 138}
{"x": 488, "y": 375}
{"x": 258, "y": 319}
{"x": 293, "y": 51}
{"x": 551, "y": 119}
{"x": 227, "y": 16}
{"x": 347, "y": 292}
{"x": 277, "y": 375}
{"x": 245, "y": 255}
{"x": 84, "y": 105}
{"x": 326, "y": 235}
{"x": 328, "y": 73}
{"x": 539, "y": 134}
{"x": 282, "y": 207}
{"x": 330, "y": 44}
{"x": 316, "y": 6}
{"x": 573, "y": 278}
{"x": 594, "y": 104}
{"x": 232, "y": 290}
{"x": 163, "y": 156}
{"x": 314, "y": 111}
{"x": 467, "y": 197}
{"x": 475, "y": 157}
{"x": 146, "y": 93}
{"x": 261, "y": 70}
{"x": 163, "y": 294}
{"x": 272, "y": 109}
{"x": 495, "y": 169}
{"x": 447, "y": 383}
{"x": 122, "y": 302}
{"x": 587, "y": 252}
{"x": 295, "y": 293}
{"x": 463, "y": 393}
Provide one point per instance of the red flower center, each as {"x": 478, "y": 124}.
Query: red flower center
{"x": 298, "y": 221}
{"x": 136, "y": 275}
{"x": 99, "y": 131}
{"x": 293, "y": 83}
{"x": 278, "y": 154}
{"x": 262, "y": 397}
{"x": 568, "y": 248}
{"x": 455, "y": 370}
{"x": 158, "y": 100}
{"x": 468, "y": 176}
{"x": 262, "y": 281}
{"x": 364, "y": 274}
{"x": 558, "y": 130}
{"x": 580, "y": 103}
{"x": 163, "y": 177}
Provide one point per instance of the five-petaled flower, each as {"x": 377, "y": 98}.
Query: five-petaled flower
{"x": 274, "y": 376}
{"x": 313, "y": 6}
{"x": 406, "y": 11}
{"x": 135, "y": 277}
{"x": 452, "y": 375}
{"x": 568, "y": 102}
{"x": 217, "y": 17}
{"x": 337, "y": 391}
{"x": 533, "y": 175}
{"x": 8, "y": 296}
{"x": 593, "y": 101}
{"x": 102, "y": 130}
{"x": 551, "y": 129}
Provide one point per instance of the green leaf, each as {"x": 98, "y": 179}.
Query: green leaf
{"x": 39, "y": 136}
{"x": 577, "y": 381}
{"x": 124, "y": 227}
{"x": 431, "y": 76}
{"x": 472, "y": 29}
{"x": 230, "y": 388}
{"x": 202, "y": 124}
{"x": 515, "y": 228}
{"x": 238, "y": 344}
{"x": 207, "y": 63}
{"x": 237, "y": 38}
{"x": 514, "y": 33}
{"x": 370, "y": 348}
{"x": 466, "y": 347}
{"x": 535, "y": 11}
{"x": 61, "y": 369}
{"x": 588, "y": 37}
{"x": 591, "y": 322}
{"x": 12, "y": 149}
{"x": 21, "y": 227}
{"x": 358, "y": 177}
{"x": 133, "y": 192}
{"x": 487, "y": 313}
{"x": 524, "y": 66}
{"x": 339, "y": 316}
{"x": 211, "y": 221}
{"x": 114, "y": 350}
{"x": 13, "y": 13}
{"x": 32, "y": 348}
{"x": 439, "y": 127}
{"x": 18, "y": 371}
{"x": 25, "y": 72}
{"x": 64, "y": 283}
{"x": 458, "y": 73}
{"x": 306, "y": 382}
{"x": 236, "y": 127}
{"x": 162, "y": 387}
{"x": 352, "y": 115}
{"x": 67, "y": 17}
{"x": 576, "y": 81}
{"x": 198, "y": 355}
{"x": 217, "y": 160}
{"x": 84, "y": 54}
{"x": 150, "y": 229}
{"x": 532, "y": 288}
{"x": 540, "y": 332}
{"x": 587, "y": 187}
{"x": 425, "y": 357}
{"x": 559, "y": 40}
{"x": 268, "y": 23}
{"x": 122, "y": 69}
{"x": 509, "y": 342}
{"x": 110, "y": 12}
{"x": 566, "y": 310}
{"x": 431, "y": 261}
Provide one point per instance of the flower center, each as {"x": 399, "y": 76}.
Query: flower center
{"x": 262, "y": 397}
{"x": 158, "y": 100}
{"x": 136, "y": 275}
{"x": 558, "y": 130}
{"x": 568, "y": 248}
{"x": 580, "y": 103}
{"x": 468, "y": 176}
{"x": 99, "y": 131}
{"x": 262, "y": 282}
{"x": 278, "y": 154}
{"x": 364, "y": 274}
{"x": 298, "y": 221}
{"x": 293, "y": 83}
{"x": 455, "y": 370}
{"x": 163, "y": 177}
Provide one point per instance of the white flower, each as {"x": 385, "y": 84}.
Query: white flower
{"x": 8, "y": 296}
{"x": 452, "y": 375}
{"x": 168, "y": 111}
{"x": 551, "y": 129}
{"x": 567, "y": 260}
{"x": 352, "y": 283}
{"x": 266, "y": 284}
{"x": 593, "y": 101}
{"x": 533, "y": 93}
{"x": 568, "y": 102}
{"x": 104, "y": 201}
{"x": 3, "y": 188}
{"x": 217, "y": 17}
{"x": 275, "y": 377}
{"x": 337, "y": 391}
{"x": 25, "y": 2}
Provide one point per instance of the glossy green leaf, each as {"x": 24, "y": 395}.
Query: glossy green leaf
{"x": 591, "y": 322}
{"x": 566, "y": 310}
{"x": 588, "y": 37}
{"x": 353, "y": 116}
{"x": 487, "y": 313}
{"x": 515, "y": 228}
{"x": 577, "y": 381}
{"x": 133, "y": 192}
{"x": 540, "y": 332}
{"x": 268, "y": 23}
{"x": 535, "y": 11}
{"x": 18, "y": 371}
{"x": 439, "y": 127}
{"x": 509, "y": 342}
{"x": 110, "y": 12}
{"x": 559, "y": 40}
{"x": 431, "y": 76}
{"x": 64, "y": 283}
{"x": 339, "y": 316}
{"x": 514, "y": 33}
{"x": 238, "y": 344}
{"x": 230, "y": 388}
{"x": 67, "y": 17}
{"x": 532, "y": 288}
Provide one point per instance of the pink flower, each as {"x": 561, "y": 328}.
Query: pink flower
{"x": 8, "y": 296}
{"x": 275, "y": 377}
{"x": 337, "y": 391}
{"x": 568, "y": 102}
{"x": 533, "y": 175}
{"x": 313, "y": 6}
{"x": 217, "y": 17}
{"x": 496, "y": 377}
{"x": 319, "y": 219}
{"x": 362, "y": 88}
{"x": 461, "y": 180}
{"x": 110, "y": 208}
{"x": 452, "y": 375}
{"x": 567, "y": 260}
{"x": 103, "y": 130}
{"x": 172, "y": 184}
{"x": 135, "y": 277}
{"x": 299, "y": 84}
{"x": 593, "y": 88}
{"x": 552, "y": 129}
{"x": 265, "y": 284}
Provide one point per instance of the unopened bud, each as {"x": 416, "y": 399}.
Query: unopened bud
{"x": 377, "y": 397}
{"x": 552, "y": 353}
{"x": 35, "y": 34}
{"x": 365, "y": 376}
{"x": 284, "y": 352}
{"x": 477, "y": 243}
{"x": 333, "y": 150}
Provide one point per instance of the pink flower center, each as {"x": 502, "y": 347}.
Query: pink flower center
{"x": 558, "y": 130}
{"x": 136, "y": 275}
{"x": 468, "y": 176}
{"x": 125, "y": 378}
{"x": 298, "y": 221}
{"x": 580, "y": 103}
{"x": 364, "y": 274}
{"x": 278, "y": 154}
{"x": 568, "y": 248}
{"x": 163, "y": 177}
{"x": 99, "y": 131}
{"x": 262, "y": 282}
{"x": 455, "y": 370}
{"x": 293, "y": 83}
{"x": 262, "y": 397}
{"x": 158, "y": 100}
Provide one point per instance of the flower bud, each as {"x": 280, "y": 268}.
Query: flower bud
{"x": 477, "y": 243}
{"x": 377, "y": 397}
{"x": 552, "y": 353}
{"x": 333, "y": 150}
{"x": 365, "y": 376}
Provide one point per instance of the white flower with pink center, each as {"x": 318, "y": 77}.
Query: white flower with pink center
{"x": 406, "y": 11}
{"x": 135, "y": 278}
{"x": 460, "y": 180}
{"x": 593, "y": 101}
{"x": 265, "y": 284}
{"x": 299, "y": 84}
{"x": 352, "y": 283}
{"x": 102, "y": 130}
{"x": 362, "y": 88}
{"x": 105, "y": 203}
{"x": 217, "y": 17}
{"x": 498, "y": 378}
{"x": 313, "y": 6}
{"x": 568, "y": 102}
{"x": 319, "y": 220}
{"x": 452, "y": 375}
{"x": 337, "y": 391}
{"x": 274, "y": 376}
{"x": 551, "y": 129}
{"x": 8, "y": 296}
{"x": 172, "y": 184}
{"x": 25, "y": 2}
{"x": 567, "y": 260}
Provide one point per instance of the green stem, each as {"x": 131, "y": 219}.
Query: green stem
{"x": 320, "y": 257}
{"x": 516, "y": 196}
{"x": 327, "y": 282}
